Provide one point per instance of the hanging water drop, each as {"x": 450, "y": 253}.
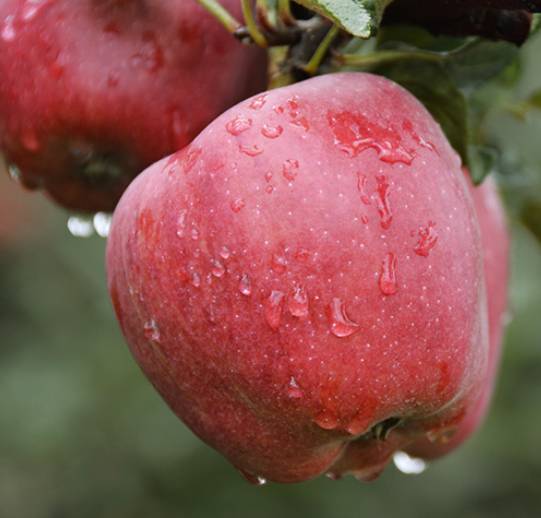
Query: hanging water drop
{"x": 245, "y": 285}
{"x": 80, "y": 227}
{"x": 102, "y": 223}
{"x": 409, "y": 465}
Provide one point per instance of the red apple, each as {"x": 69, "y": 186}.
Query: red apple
{"x": 94, "y": 91}
{"x": 495, "y": 241}
{"x": 305, "y": 279}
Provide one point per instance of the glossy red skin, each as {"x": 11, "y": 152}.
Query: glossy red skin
{"x": 116, "y": 83}
{"x": 251, "y": 386}
{"x": 496, "y": 243}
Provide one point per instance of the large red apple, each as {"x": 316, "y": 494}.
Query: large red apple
{"x": 495, "y": 241}
{"x": 93, "y": 91}
{"x": 303, "y": 284}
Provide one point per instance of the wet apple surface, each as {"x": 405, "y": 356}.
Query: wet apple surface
{"x": 303, "y": 284}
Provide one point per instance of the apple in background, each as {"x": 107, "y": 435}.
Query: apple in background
{"x": 94, "y": 91}
{"x": 303, "y": 284}
{"x": 495, "y": 240}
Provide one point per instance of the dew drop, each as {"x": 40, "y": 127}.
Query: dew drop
{"x": 302, "y": 255}
{"x": 409, "y": 465}
{"x": 279, "y": 263}
{"x": 237, "y": 205}
{"x": 8, "y": 32}
{"x": 383, "y": 202}
{"x": 181, "y": 223}
{"x": 225, "y": 253}
{"x": 30, "y": 141}
{"x": 245, "y": 285}
{"x": 428, "y": 238}
{"x": 272, "y": 132}
{"x": 31, "y": 8}
{"x": 290, "y": 169}
{"x": 354, "y": 133}
{"x": 387, "y": 278}
{"x": 297, "y": 302}
{"x": 196, "y": 280}
{"x": 361, "y": 186}
{"x": 326, "y": 420}
{"x": 150, "y": 56}
{"x": 268, "y": 176}
{"x": 258, "y": 102}
{"x": 255, "y": 480}
{"x": 218, "y": 269}
{"x": 14, "y": 173}
{"x": 269, "y": 189}
{"x": 273, "y": 309}
{"x": 341, "y": 325}
{"x": 192, "y": 156}
{"x": 293, "y": 389}
{"x": 152, "y": 331}
{"x": 195, "y": 234}
{"x": 102, "y": 223}
{"x": 238, "y": 125}
{"x": 80, "y": 226}
{"x": 253, "y": 150}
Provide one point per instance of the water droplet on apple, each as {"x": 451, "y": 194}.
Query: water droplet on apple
{"x": 409, "y": 465}
{"x": 355, "y": 133}
{"x": 293, "y": 389}
{"x": 195, "y": 234}
{"x": 268, "y": 176}
{"x": 326, "y": 420}
{"x": 295, "y": 116}
{"x": 32, "y": 7}
{"x": 152, "y": 331}
{"x": 196, "y": 280}
{"x": 237, "y": 205}
{"x": 341, "y": 325}
{"x": 181, "y": 223}
{"x": 30, "y": 141}
{"x": 253, "y": 150}
{"x": 225, "y": 253}
{"x": 290, "y": 169}
{"x": 297, "y": 302}
{"x": 279, "y": 263}
{"x": 102, "y": 223}
{"x": 269, "y": 189}
{"x": 218, "y": 269}
{"x": 428, "y": 238}
{"x": 245, "y": 285}
{"x": 258, "y": 102}
{"x": 80, "y": 226}
{"x": 361, "y": 186}
{"x": 8, "y": 32}
{"x": 302, "y": 255}
{"x": 272, "y": 132}
{"x": 150, "y": 56}
{"x": 383, "y": 202}
{"x": 273, "y": 309}
{"x": 238, "y": 125}
{"x": 387, "y": 278}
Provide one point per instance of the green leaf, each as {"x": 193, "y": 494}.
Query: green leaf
{"x": 360, "y": 18}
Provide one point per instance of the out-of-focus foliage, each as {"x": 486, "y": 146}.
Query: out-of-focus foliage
{"x": 83, "y": 434}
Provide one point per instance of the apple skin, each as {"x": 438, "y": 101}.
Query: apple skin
{"x": 304, "y": 274}
{"x": 94, "y": 91}
{"x": 496, "y": 243}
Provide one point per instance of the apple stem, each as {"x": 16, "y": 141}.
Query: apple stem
{"x": 284, "y": 12}
{"x": 219, "y": 12}
{"x": 313, "y": 65}
{"x": 251, "y": 24}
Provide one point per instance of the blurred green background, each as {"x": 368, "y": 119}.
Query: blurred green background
{"x": 83, "y": 434}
